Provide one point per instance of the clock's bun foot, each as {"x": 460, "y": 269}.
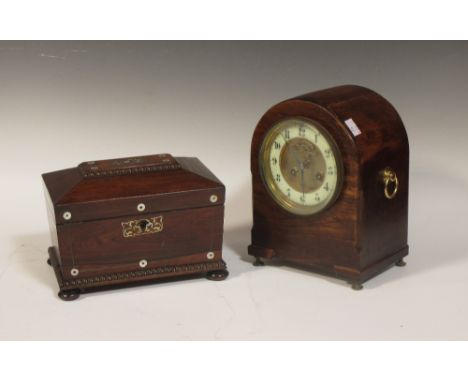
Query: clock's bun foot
{"x": 49, "y": 261}
{"x": 218, "y": 275}
{"x": 69, "y": 295}
{"x": 258, "y": 262}
{"x": 400, "y": 263}
{"x": 356, "y": 285}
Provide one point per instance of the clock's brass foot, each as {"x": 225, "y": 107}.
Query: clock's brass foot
{"x": 49, "y": 261}
{"x": 400, "y": 263}
{"x": 258, "y": 262}
{"x": 69, "y": 295}
{"x": 218, "y": 275}
{"x": 356, "y": 285}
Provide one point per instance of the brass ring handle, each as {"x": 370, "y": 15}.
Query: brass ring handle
{"x": 389, "y": 176}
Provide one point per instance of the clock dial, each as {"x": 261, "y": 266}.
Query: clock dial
{"x": 301, "y": 166}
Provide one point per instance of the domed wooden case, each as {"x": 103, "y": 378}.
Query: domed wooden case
{"x": 124, "y": 221}
{"x": 365, "y": 230}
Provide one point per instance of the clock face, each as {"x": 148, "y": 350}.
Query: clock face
{"x": 301, "y": 166}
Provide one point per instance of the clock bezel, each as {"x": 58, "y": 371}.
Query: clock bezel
{"x": 267, "y": 178}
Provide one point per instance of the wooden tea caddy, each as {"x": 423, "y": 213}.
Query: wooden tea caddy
{"x": 132, "y": 220}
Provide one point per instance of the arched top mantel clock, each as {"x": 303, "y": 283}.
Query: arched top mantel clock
{"x": 330, "y": 183}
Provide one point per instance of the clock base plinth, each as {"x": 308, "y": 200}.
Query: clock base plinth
{"x": 260, "y": 252}
{"x": 355, "y": 277}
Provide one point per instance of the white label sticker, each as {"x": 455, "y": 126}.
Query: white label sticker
{"x": 352, "y": 127}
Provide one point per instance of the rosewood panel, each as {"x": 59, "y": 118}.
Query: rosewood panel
{"x": 98, "y": 246}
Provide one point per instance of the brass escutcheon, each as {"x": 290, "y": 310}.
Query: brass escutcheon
{"x": 140, "y": 227}
{"x": 389, "y": 176}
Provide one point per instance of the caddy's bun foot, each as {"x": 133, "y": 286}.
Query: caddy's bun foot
{"x": 69, "y": 295}
{"x": 258, "y": 262}
{"x": 400, "y": 263}
{"x": 49, "y": 261}
{"x": 218, "y": 275}
{"x": 356, "y": 285}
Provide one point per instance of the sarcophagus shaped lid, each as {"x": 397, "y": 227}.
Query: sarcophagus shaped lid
{"x": 129, "y": 186}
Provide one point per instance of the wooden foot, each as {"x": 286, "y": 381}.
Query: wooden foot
{"x": 258, "y": 262}
{"x": 356, "y": 285}
{"x": 69, "y": 295}
{"x": 400, "y": 263}
{"x": 218, "y": 275}
{"x": 49, "y": 261}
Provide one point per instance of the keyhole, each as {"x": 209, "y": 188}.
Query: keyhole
{"x": 143, "y": 225}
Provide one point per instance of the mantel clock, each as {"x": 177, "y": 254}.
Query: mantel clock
{"x": 330, "y": 184}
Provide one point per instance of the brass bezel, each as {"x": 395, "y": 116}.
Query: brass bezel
{"x": 267, "y": 177}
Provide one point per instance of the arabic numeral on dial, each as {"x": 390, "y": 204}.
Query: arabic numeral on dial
{"x": 302, "y": 131}
{"x": 274, "y": 161}
{"x": 317, "y": 198}
{"x": 289, "y": 192}
{"x": 327, "y": 153}
{"x": 278, "y": 178}
{"x": 316, "y": 138}
{"x": 330, "y": 170}
{"x": 327, "y": 187}
{"x": 277, "y": 145}
{"x": 286, "y": 134}
{"x": 302, "y": 198}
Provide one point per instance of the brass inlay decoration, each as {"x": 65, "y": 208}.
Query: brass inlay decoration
{"x": 140, "y": 227}
{"x": 389, "y": 176}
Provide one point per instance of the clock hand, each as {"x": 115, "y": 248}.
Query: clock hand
{"x": 301, "y": 166}
{"x": 296, "y": 158}
{"x": 302, "y": 181}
